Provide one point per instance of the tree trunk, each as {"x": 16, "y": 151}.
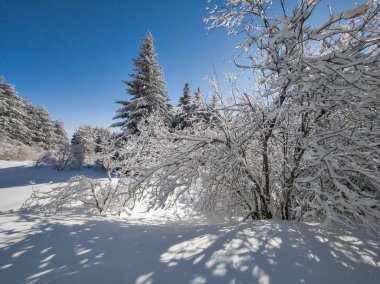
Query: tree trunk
{"x": 265, "y": 196}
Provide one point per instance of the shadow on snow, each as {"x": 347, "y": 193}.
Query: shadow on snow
{"x": 27, "y": 175}
{"x": 115, "y": 251}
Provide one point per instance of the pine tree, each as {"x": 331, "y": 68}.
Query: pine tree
{"x": 102, "y": 136}
{"x": 77, "y": 152}
{"x": 147, "y": 88}
{"x": 184, "y": 116}
{"x": 60, "y": 135}
{"x": 212, "y": 109}
{"x": 198, "y": 100}
{"x": 213, "y": 106}
{"x": 13, "y": 114}
{"x": 199, "y": 110}
{"x": 185, "y": 99}
{"x": 86, "y": 136}
{"x": 20, "y": 120}
{"x": 45, "y": 127}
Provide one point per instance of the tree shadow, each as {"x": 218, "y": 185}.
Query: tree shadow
{"x": 27, "y": 175}
{"x": 68, "y": 249}
{"x": 279, "y": 252}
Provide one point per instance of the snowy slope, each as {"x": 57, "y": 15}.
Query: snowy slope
{"x": 161, "y": 247}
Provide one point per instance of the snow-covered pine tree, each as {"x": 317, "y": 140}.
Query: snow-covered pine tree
{"x": 30, "y": 125}
{"x": 104, "y": 147}
{"x": 198, "y": 101}
{"x": 101, "y": 136}
{"x": 45, "y": 128}
{"x": 60, "y": 135}
{"x": 77, "y": 152}
{"x": 213, "y": 104}
{"x": 185, "y": 108}
{"x": 199, "y": 109}
{"x": 147, "y": 88}
{"x": 185, "y": 99}
{"x": 13, "y": 114}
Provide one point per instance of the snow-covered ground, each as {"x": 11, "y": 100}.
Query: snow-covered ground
{"x": 168, "y": 247}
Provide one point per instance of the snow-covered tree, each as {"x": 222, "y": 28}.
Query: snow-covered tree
{"x": 198, "y": 101}
{"x": 86, "y": 136}
{"x": 60, "y": 134}
{"x": 199, "y": 111}
{"x": 59, "y": 158}
{"x": 134, "y": 171}
{"x": 214, "y": 104}
{"x": 185, "y": 99}
{"x": 90, "y": 145}
{"x": 77, "y": 151}
{"x": 45, "y": 128}
{"x": 315, "y": 133}
{"x": 147, "y": 88}
{"x": 185, "y": 110}
{"x": 101, "y": 136}
{"x": 13, "y": 115}
{"x": 30, "y": 125}
{"x": 105, "y": 148}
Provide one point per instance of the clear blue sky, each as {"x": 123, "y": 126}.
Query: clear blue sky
{"x": 71, "y": 55}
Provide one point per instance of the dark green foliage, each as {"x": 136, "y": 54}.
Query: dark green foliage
{"x": 147, "y": 88}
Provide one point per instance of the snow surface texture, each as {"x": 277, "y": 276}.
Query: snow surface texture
{"x": 174, "y": 246}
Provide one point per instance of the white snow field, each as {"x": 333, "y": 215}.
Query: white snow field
{"x": 168, "y": 247}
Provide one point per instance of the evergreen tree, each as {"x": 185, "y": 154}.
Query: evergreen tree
{"x": 102, "y": 137}
{"x": 198, "y": 100}
{"x": 60, "y": 135}
{"x": 147, "y": 88}
{"x": 13, "y": 114}
{"x": 199, "y": 111}
{"x": 185, "y": 99}
{"x": 30, "y": 125}
{"x": 45, "y": 128}
{"x": 184, "y": 116}
{"x": 77, "y": 151}
{"x": 86, "y": 136}
{"x": 213, "y": 106}
{"x": 212, "y": 111}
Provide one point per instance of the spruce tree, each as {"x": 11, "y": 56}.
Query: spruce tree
{"x": 45, "y": 127}
{"x": 185, "y": 99}
{"x": 13, "y": 114}
{"x": 184, "y": 116}
{"x": 20, "y": 120}
{"x": 77, "y": 151}
{"x": 198, "y": 100}
{"x": 147, "y": 88}
{"x": 199, "y": 111}
{"x": 60, "y": 135}
{"x": 213, "y": 106}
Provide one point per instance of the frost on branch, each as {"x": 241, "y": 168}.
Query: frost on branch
{"x": 316, "y": 129}
{"x": 79, "y": 193}
{"x": 58, "y": 159}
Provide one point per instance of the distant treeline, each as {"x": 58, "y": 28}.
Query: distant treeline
{"x": 22, "y": 121}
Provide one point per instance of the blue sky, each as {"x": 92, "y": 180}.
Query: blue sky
{"x": 71, "y": 55}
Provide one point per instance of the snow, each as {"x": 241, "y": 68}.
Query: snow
{"x": 174, "y": 246}
{"x": 18, "y": 177}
